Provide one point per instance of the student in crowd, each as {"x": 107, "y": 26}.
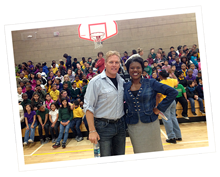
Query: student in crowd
{"x": 194, "y": 59}
{"x": 91, "y": 74}
{"x": 25, "y": 100}
{"x": 67, "y": 80}
{"x": 74, "y": 64}
{"x": 150, "y": 60}
{"x": 65, "y": 116}
{"x": 179, "y": 48}
{"x": 199, "y": 89}
{"x": 79, "y": 73}
{"x": 42, "y": 86}
{"x": 78, "y": 67}
{"x": 83, "y": 89}
{"x": 29, "y": 91}
{"x": 184, "y": 61}
{"x": 195, "y": 71}
{"x": 145, "y": 75}
{"x": 21, "y": 115}
{"x": 22, "y": 85}
{"x": 21, "y": 78}
{"x": 35, "y": 101}
{"x": 33, "y": 80}
{"x": 171, "y": 125}
{"x": 41, "y": 92}
{"x": 31, "y": 123}
{"x": 42, "y": 115}
{"x": 78, "y": 81}
{"x": 182, "y": 79}
{"x": 125, "y": 57}
{"x": 68, "y": 60}
{"x": 51, "y": 76}
{"x": 159, "y": 60}
{"x": 183, "y": 69}
{"x": 77, "y": 120}
{"x": 84, "y": 77}
{"x": 48, "y": 101}
{"x": 54, "y": 68}
{"x": 154, "y": 76}
{"x": 66, "y": 88}
{"x": 166, "y": 65}
{"x": 63, "y": 94}
{"x": 89, "y": 61}
{"x": 147, "y": 68}
{"x": 173, "y": 71}
{"x": 153, "y": 55}
{"x": 82, "y": 61}
{"x": 71, "y": 75}
{"x": 190, "y": 76}
{"x": 48, "y": 86}
{"x": 192, "y": 96}
{"x": 182, "y": 98}
{"x": 172, "y": 60}
{"x": 44, "y": 68}
{"x": 54, "y": 62}
{"x": 43, "y": 74}
{"x": 62, "y": 70}
{"x": 30, "y": 66}
{"x": 74, "y": 92}
{"x": 54, "y": 93}
{"x": 199, "y": 76}
{"x": 58, "y": 84}
{"x": 86, "y": 70}
{"x": 19, "y": 90}
{"x": 54, "y": 122}
{"x": 43, "y": 80}
{"x": 59, "y": 76}
{"x": 178, "y": 64}
{"x": 37, "y": 67}
{"x": 100, "y": 64}
{"x": 169, "y": 56}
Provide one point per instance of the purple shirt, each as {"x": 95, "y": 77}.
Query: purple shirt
{"x": 30, "y": 117}
{"x": 195, "y": 72}
{"x": 190, "y": 79}
{"x": 171, "y": 62}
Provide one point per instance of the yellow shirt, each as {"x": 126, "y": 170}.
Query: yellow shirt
{"x": 78, "y": 113}
{"x": 49, "y": 89}
{"x": 55, "y": 70}
{"x": 169, "y": 82}
{"x": 26, "y": 76}
{"x": 77, "y": 83}
{"x": 54, "y": 95}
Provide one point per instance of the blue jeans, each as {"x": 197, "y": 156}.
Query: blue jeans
{"x": 85, "y": 122}
{"x": 32, "y": 130}
{"x": 76, "y": 122}
{"x": 112, "y": 137}
{"x": 192, "y": 102}
{"x": 67, "y": 127}
{"x": 172, "y": 125}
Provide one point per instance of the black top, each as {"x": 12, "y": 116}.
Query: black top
{"x": 135, "y": 92}
{"x": 114, "y": 81}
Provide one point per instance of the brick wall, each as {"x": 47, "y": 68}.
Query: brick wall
{"x": 154, "y": 32}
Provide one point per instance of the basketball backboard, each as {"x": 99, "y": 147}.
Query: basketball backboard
{"x": 108, "y": 28}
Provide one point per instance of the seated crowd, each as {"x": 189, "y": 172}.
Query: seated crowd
{"x": 52, "y": 97}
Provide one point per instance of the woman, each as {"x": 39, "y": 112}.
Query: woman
{"x": 171, "y": 125}
{"x": 142, "y": 117}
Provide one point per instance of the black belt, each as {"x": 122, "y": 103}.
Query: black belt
{"x": 108, "y": 120}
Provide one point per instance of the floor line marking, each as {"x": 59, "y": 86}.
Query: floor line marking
{"x": 164, "y": 134}
{"x": 36, "y": 149}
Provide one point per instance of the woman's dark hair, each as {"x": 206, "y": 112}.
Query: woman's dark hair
{"x": 32, "y": 74}
{"x": 90, "y": 68}
{"x": 83, "y": 59}
{"x": 25, "y": 64}
{"x": 75, "y": 59}
{"x": 61, "y": 62}
{"x": 44, "y": 64}
{"x": 135, "y": 59}
{"x": 194, "y": 53}
{"x": 25, "y": 110}
{"x": 48, "y": 82}
{"x": 32, "y": 99}
{"x": 164, "y": 74}
{"x": 46, "y": 95}
{"x": 60, "y": 97}
{"x": 68, "y": 106}
{"x": 100, "y": 53}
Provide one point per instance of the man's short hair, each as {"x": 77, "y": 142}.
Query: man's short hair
{"x": 111, "y": 53}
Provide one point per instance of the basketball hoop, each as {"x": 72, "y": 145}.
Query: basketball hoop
{"x": 97, "y": 38}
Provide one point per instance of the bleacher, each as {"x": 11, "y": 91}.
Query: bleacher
{"x": 179, "y": 109}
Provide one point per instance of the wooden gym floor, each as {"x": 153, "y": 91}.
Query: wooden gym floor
{"x": 194, "y": 135}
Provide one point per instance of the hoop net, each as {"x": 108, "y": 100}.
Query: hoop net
{"x": 97, "y": 38}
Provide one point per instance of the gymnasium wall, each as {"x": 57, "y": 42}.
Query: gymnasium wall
{"x": 154, "y": 32}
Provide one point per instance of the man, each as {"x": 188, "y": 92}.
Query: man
{"x": 71, "y": 75}
{"x": 74, "y": 64}
{"x": 170, "y": 53}
{"x": 103, "y": 105}
{"x": 68, "y": 60}
{"x": 86, "y": 70}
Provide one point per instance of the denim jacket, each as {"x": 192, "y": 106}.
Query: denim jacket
{"x": 141, "y": 106}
